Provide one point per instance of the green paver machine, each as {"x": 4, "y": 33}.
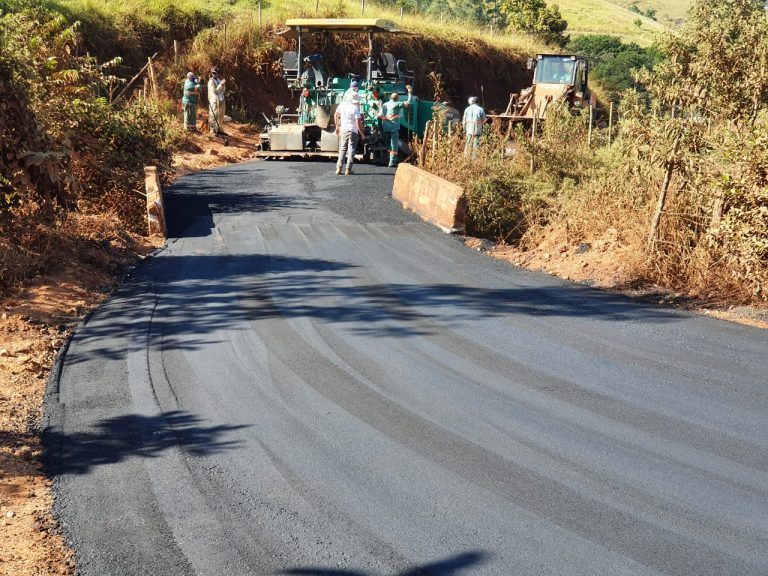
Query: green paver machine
{"x": 309, "y": 129}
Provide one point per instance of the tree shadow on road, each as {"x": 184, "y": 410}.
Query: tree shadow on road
{"x": 116, "y": 439}
{"x": 451, "y": 566}
{"x": 184, "y": 302}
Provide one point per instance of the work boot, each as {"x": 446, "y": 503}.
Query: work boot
{"x": 348, "y": 171}
{"x": 338, "y": 170}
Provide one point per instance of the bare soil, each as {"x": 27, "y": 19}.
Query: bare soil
{"x": 607, "y": 263}
{"x": 34, "y": 323}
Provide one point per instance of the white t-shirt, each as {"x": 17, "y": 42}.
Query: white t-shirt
{"x": 348, "y": 115}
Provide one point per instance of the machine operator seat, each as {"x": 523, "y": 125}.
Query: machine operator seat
{"x": 315, "y": 73}
{"x": 386, "y": 67}
{"x": 407, "y": 76}
{"x": 289, "y": 66}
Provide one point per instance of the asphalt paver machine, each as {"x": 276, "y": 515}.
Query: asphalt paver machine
{"x": 308, "y": 129}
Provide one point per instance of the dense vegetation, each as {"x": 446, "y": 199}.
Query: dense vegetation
{"x": 685, "y": 187}
{"x": 531, "y": 16}
{"x": 612, "y": 62}
{"x": 65, "y": 153}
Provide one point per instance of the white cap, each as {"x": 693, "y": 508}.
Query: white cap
{"x": 472, "y": 100}
{"x": 191, "y": 75}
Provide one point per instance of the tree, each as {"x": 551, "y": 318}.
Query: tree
{"x": 534, "y": 16}
{"x": 612, "y": 63}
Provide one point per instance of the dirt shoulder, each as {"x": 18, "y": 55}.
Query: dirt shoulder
{"x": 34, "y": 324}
{"x": 607, "y": 263}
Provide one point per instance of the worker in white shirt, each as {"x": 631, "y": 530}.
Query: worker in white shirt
{"x": 349, "y": 128}
{"x": 216, "y": 105}
{"x": 474, "y": 118}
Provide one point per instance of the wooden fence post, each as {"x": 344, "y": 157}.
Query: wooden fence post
{"x": 533, "y": 135}
{"x": 610, "y": 126}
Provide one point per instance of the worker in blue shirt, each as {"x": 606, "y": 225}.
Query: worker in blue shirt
{"x": 474, "y": 118}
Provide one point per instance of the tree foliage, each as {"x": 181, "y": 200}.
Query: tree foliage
{"x": 612, "y": 62}
{"x": 536, "y": 17}
{"x": 62, "y": 144}
{"x": 532, "y": 16}
{"x": 707, "y": 127}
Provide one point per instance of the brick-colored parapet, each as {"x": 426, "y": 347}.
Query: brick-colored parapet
{"x": 437, "y": 201}
{"x": 155, "y": 206}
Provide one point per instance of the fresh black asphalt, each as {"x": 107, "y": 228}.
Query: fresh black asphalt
{"x": 308, "y": 380}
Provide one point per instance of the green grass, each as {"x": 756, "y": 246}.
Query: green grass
{"x": 666, "y": 10}
{"x": 604, "y": 17}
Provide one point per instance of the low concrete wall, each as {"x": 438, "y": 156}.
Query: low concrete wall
{"x": 437, "y": 201}
{"x": 155, "y": 206}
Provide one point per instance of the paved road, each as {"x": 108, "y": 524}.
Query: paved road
{"x": 309, "y": 381}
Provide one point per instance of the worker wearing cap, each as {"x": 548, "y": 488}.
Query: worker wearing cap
{"x": 216, "y": 106}
{"x": 354, "y": 88}
{"x": 189, "y": 101}
{"x": 349, "y": 128}
{"x": 474, "y": 118}
{"x": 390, "y": 123}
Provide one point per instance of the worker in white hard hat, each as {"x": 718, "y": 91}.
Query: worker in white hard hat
{"x": 349, "y": 128}
{"x": 216, "y": 104}
{"x": 474, "y": 118}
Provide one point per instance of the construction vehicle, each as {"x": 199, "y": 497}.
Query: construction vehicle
{"x": 557, "y": 78}
{"x": 308, "y": 129}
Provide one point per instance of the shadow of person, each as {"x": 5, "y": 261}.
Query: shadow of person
{"x": 450, "y": 566}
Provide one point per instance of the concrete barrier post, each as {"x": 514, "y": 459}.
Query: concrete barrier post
{"x": 155, "y": 206}
{"x": 436, "y": 200}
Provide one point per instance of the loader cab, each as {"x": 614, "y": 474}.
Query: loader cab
{"x": 555, "y": 69}
{"x": 562, "y": 74}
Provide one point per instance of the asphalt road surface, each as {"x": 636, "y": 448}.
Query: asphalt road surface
{"x": 310, "y": 381}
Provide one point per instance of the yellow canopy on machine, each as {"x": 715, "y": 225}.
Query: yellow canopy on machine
{"x": 344, "y": 25}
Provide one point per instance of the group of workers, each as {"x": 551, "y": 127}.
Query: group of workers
{"x": 216, "y": 102}
{"x": 350, "y": 129}
{"x": 348, "y": 118}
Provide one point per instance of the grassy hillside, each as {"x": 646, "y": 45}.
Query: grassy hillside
{"x": 604, "y": 17}
{"x": 666, "y": 10}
